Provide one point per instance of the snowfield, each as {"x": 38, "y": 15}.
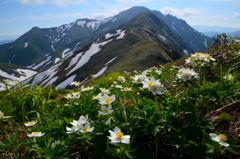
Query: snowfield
{"x": 95, "y": 48}
{"x": 13, "y": 80}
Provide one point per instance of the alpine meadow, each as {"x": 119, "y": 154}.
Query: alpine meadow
{"x": 138, "y": 85}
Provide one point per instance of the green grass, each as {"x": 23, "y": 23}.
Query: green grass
{"x": 175, "y": 124}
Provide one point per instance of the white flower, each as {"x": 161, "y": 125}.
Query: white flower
{"x": 228, "y": 77}
{"x": 139, "y": 78}
{"x": 156, "y": 89}
{"x": 117, "y": 136}
{"x": 119, "y": 86}
{"x": 149, "y": 82}
{"x": 86, "y": 128}
{"x": 121, "y": 79}
{"x": 97, "y": 96}
{"x": 106, "y": 100}
{"x": 105, "y": 110}
{"x": 186, "y": 74}
{"x": 199, "y": 59}
{"x": 87, "y": 88}
{"x": 158, "y": 72}
{"x": 104, "y": 91}
{"x": 35, "y": 134}
{"x": 74, "y": 83}
{"x": 94, "y": 76}
{"x": 74, "y": 95}
{"x": 76, "y": 125}
{"x": 221, "y": 138}
{"x": 30, "y": 123}
{"x": 126, "y": 89}
{"x": 2, "y": 115}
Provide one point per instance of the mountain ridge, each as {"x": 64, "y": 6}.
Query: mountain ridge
{"x": 63, "y": 43}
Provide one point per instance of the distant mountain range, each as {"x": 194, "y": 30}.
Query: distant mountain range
{"x": 137, "y": 38}
{"x": 212, "y": 31}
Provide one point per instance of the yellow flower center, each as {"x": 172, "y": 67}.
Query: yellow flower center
{"x": 85, "y": 128}
{"x": 222, "y": 137}
{"x": 150, "y": 83}
{"x": 31, "y": 122}
{"x": 119, "y": 135}
{"x": 1, "y": 114}
{"x": 190, "y": 58}
{"x": 105, "y": 110}
{"x": 187, "y": 76}
{"x": 198, "y": 54}
{"x": 138, "y": 80}
{"x": 74, "y": 82}
{"x": 35, "y": 133}
{"x": 107, "y": 100}
{"x": 73, "y": 127}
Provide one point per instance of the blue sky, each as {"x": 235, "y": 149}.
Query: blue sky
{"x": 19, "y": 16}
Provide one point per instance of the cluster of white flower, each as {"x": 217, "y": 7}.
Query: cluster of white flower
{"x": 74, "y": 83}
{"x": 186, "y": 74}
{"x": 199, "y": 59}
{"x": 82, "y": 125}
{"x": 35, "y": 133}
{"x": 153, "y": 86}
{"x": 74, "y": 95}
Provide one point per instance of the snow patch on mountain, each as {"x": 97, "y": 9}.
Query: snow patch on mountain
{"x": 101, "y": 71}
{"x": 13, "y": 79}
{"x": 92, "y": 24}
{"x": 121, "y": 36}
{"x": 81, "y": 23}
{"x": 205, "y": 42}
{"x": 185, "y": 52}
{"x": 47, "y": 75}
{"x": 108, "y": 35}
{"x": 66, "y": 82}
{"x": 119, "y": 32}
{"x": 25, "y": 44}
{"x": 162, "y": 37}
{"x": 56, "y": 60}
{"x": 110, "y": 61}
{"x": 95, "y": 48}
{"x": 104, "y": 68}
{"x": 67, "y": 52}
{"x": 74, "y": 60}
{"x": 42, "y": 63}
{"x": 24, "y": 74}
{"x": 51, "y": 81}
{"x": 77, "y": 44}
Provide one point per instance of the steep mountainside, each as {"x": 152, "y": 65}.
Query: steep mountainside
{"x": 140, "y": 43}
{"x": 38, "y": 44}
{"x": 41, "y": 48}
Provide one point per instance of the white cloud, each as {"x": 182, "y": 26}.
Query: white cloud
{"x": 60, "y": 3}
{"x": 181, "y": 12}
{"x": 237, "y": 15}
{"x": 99, "y": 16}
{"x": 8, "y": 20}
{"x": 32, "y": 1}
{"x": 220, "y": 17}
